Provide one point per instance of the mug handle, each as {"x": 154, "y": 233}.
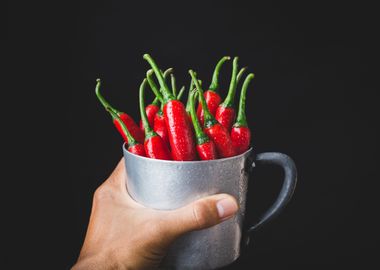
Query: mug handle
{"x": 287, "y": 190}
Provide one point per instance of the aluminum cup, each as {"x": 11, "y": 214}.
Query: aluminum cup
{"x": 167, "y": 185}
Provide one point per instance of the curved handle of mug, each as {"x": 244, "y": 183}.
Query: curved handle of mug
{"x": 288, "y": 186}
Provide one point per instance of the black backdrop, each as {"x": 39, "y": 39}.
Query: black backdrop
{"x": 313, "y": 97}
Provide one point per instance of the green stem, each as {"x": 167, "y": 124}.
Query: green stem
{"x": 191, "y": 88}
{"x": 131, "y": 140}
{"x": 180, "y": 93}
{"x": 209, "y": 119}
{"x": 167, "y": 73}
{"x": 102, "y": 99}
{"x": 167, "y": 95}
{"x": 200, "y": 136}
{"x": 153, "y": 85}
{"x": 156, "y": 101}
{"x": 174, "y": 87}
{"x": 148, "y": 129}
{"x": 229, "y": 101}
{"x": 241, "y": 118}
{"x": 240, "y": 74}
{"x": 189, "y": 94}
{"x": 214, "y": 86}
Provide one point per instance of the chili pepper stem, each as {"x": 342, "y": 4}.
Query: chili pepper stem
{"x": 214, "y": 86}
{"x": 102, "y": 99}
{"x": 241, "y": 118}
{"x": 167, "y": 72}
{"x": 156, "y": 101}
{"x": 174, "y": 86}
{"x": 200, "y": 136}
{"x": 240, "y": 74}
{"x": 148, "y": 129}
{"x": 154, "y": 86}
{"x": 229, "y": 101}
{"x": 189, "y": 94}
{"x": 180, "y": 93}
{"x": 167, "y": 95}
{"x": 209, "y": 119}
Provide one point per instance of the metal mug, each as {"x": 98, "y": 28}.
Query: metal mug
{"x": 167, "y": 185}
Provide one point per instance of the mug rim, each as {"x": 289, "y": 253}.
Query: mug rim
{"x": 184, "y": 161}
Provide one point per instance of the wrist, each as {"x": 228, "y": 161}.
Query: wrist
{"x": 95, "y": 262}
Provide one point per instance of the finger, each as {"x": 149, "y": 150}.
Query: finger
{"x": 200, "y": 214}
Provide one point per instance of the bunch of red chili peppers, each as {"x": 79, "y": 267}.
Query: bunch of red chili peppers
{"x": 170, "y": 130}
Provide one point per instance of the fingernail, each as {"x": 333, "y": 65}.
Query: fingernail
{"x": 226, "y": 207}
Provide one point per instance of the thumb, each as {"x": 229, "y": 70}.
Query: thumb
{"x": 201, "y": 214}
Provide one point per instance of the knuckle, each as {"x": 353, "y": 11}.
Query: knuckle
{"x": 103, "y": 193}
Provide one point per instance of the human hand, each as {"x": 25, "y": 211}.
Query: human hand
{"x": 123, "y": 234}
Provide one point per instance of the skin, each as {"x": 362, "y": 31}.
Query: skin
{"x": 123, "y": 234}
{"x": 241, "y": 138}
{"x": 213, "y": 100}
{"x": 132, "y": 127}
{"x": 159, "y": 127}
{"x": 180, "y": 133}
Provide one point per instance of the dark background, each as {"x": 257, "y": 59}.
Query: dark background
{"x": 314, "y": 97}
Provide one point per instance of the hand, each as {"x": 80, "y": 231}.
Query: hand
{"x": 123, "y": 234}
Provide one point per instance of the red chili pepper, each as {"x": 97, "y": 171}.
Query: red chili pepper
{"x": 133, "y": 146}
{"x": 154, "y": 108}
{"x": 133, "y": 128}
{"x": 154, "y": 146}
{"x": 205, "y": 147}
{"x": 159, "y": 125}
{"x": 240, "y": 133}
{"x": 177, "y": 122}
{"x": 212, "y": 97}
{"x": 216, "y": 132}
{"x": 225, "y": 114}
{"x": 151, "y": 111}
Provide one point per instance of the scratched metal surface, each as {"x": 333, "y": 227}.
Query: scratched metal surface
{"x": 168, "y": 185}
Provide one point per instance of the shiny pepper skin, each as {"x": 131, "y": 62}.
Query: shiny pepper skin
{"x": 205, "y": 146}
{"x": 151, "y": 111}
{"x": 137, "y": 149}
{"x": 156, "y": 148}
{"x": 132, "y": 127}
{"x": 225, "y": 116}
{"x": 213, "y": 100}
{"x": 241, "y": 138}
{"x": 180, "y": 132}
{"x": 207, "y": 151}
{"x": 132, "y": 145}
{"x": 159, "y": 126}
{"x": 222, "y": 140}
